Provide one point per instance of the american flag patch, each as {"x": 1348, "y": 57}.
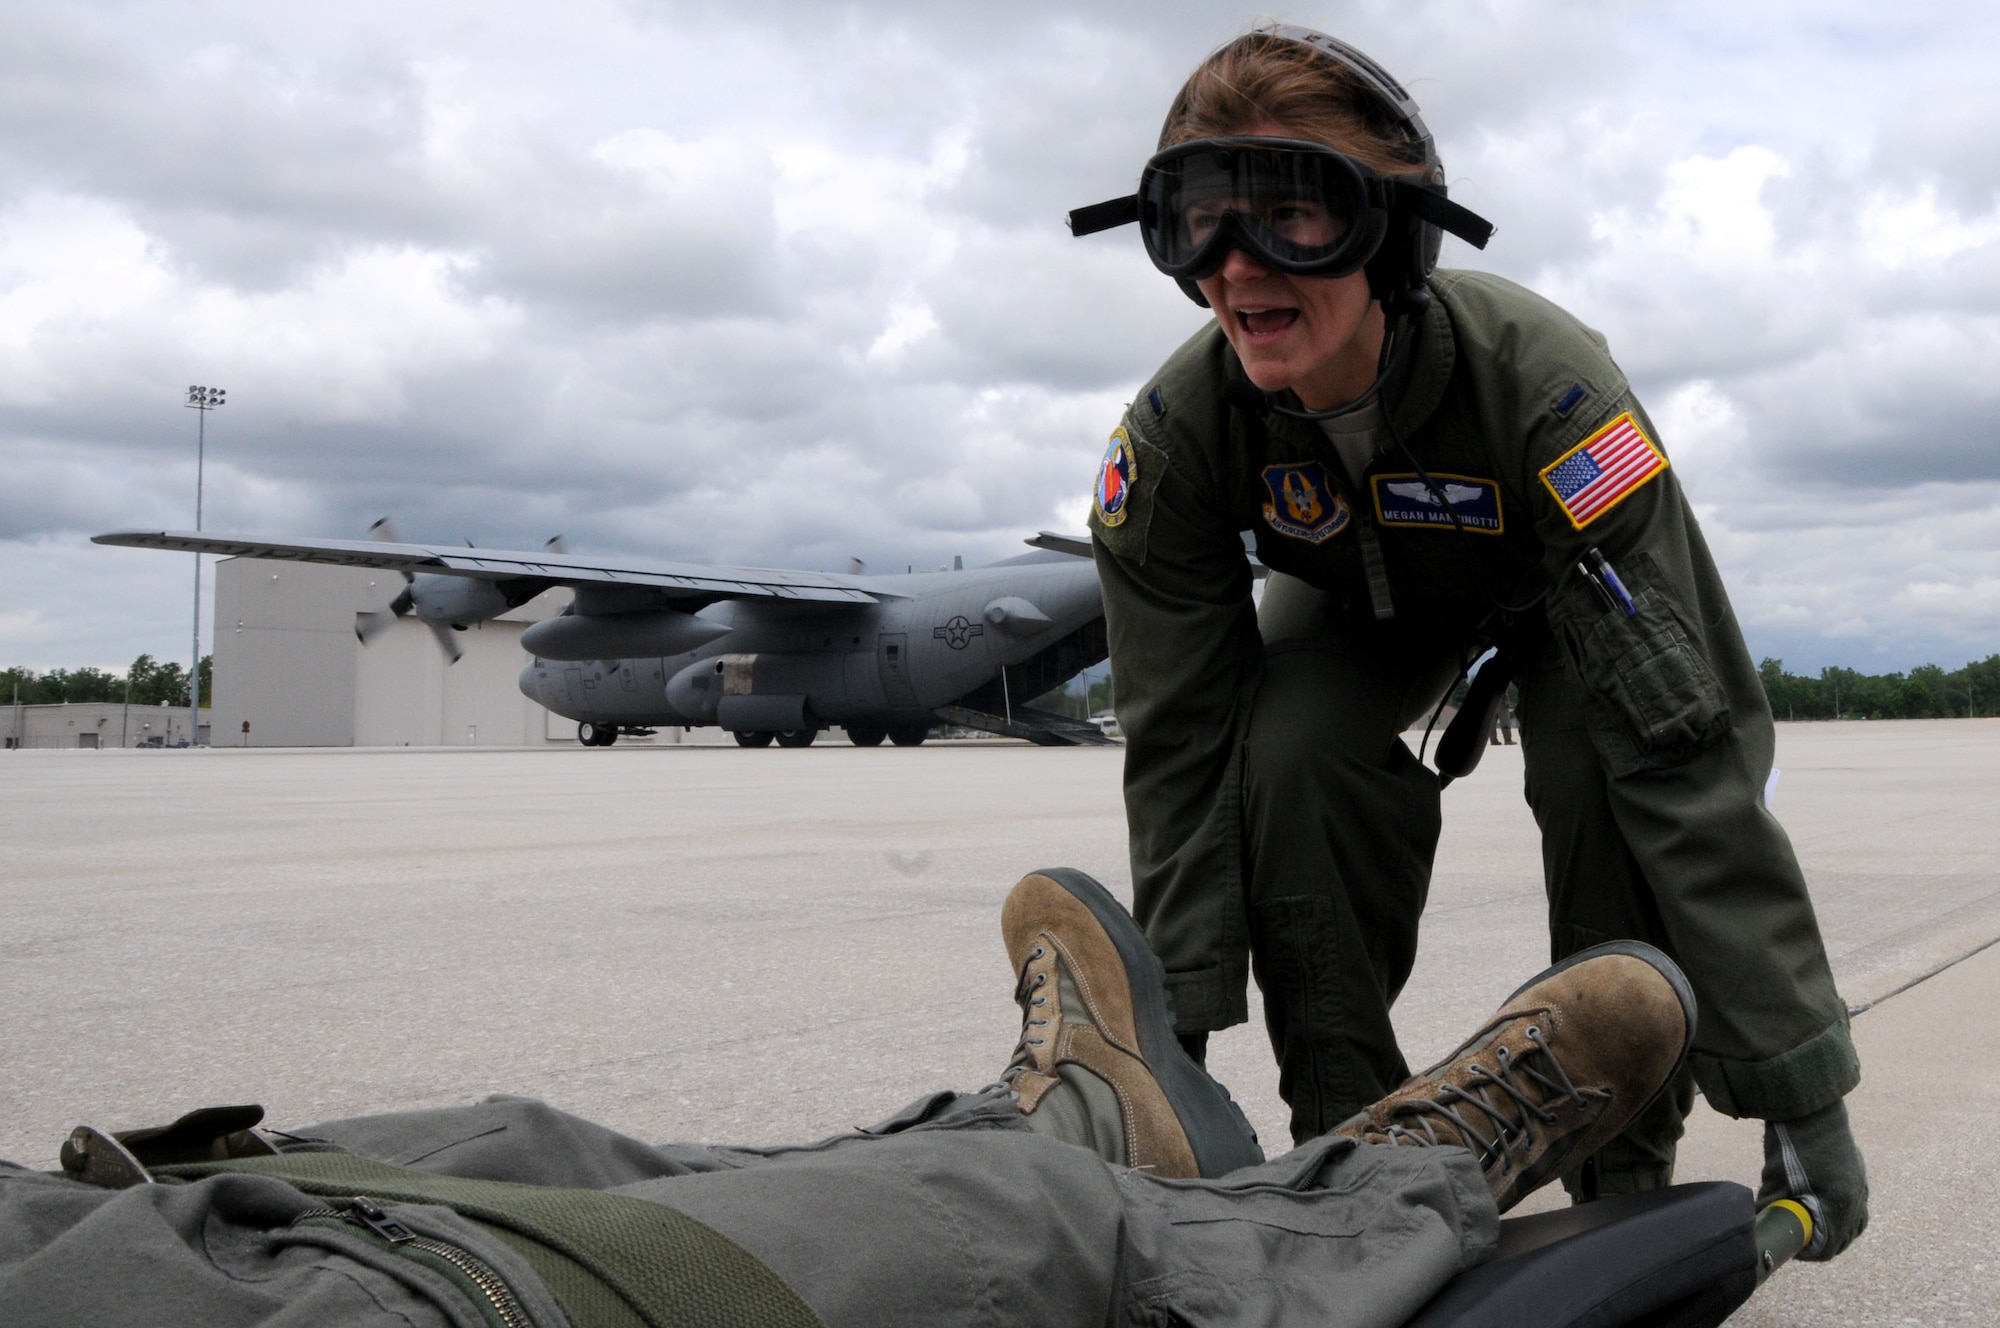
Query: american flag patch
{"x": 1603, "y": 470}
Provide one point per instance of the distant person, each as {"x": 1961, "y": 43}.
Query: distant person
{"x": 1064, "y": 1194}
{"x": 1432, "y": 463}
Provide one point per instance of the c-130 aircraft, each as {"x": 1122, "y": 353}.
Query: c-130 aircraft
{"x": 767, "y": 654}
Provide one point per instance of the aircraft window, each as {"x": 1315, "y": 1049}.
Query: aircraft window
{"x": 893, "y": 650}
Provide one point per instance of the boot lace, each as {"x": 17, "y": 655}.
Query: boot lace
{"x": 1027, "y": 995}
{"x": 1501, "y": 1099}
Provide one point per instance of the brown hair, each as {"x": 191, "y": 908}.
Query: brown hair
{"x": 1263, "y": 77}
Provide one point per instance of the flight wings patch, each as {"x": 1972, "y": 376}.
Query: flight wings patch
{"x": 1303, "y": 505}
{"x": 1406, "y": 500}
{"x": 1603, "y": 470}
{"x": 1115, "y": 478}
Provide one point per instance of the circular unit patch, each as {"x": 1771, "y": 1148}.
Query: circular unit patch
{"x": 1115, "y": 478}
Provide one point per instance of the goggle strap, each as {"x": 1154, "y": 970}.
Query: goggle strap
{"x": 1113, "y": 212}
{"x": 1429, "y": 205}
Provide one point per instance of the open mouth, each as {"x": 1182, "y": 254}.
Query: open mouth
{"x": 1266, "y": 322}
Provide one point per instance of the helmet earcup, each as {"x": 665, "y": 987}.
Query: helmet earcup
{"x": 1397, "y": 271}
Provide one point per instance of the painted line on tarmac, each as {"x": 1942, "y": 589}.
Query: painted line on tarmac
{"x": 1921, "y": 978}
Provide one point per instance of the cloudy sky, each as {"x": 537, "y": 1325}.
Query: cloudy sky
{"x": 787, "y": 283}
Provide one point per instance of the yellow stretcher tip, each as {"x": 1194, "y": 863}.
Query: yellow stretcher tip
{"x": 1798, "y": 1210}
{"x": 1784, "y": 1228}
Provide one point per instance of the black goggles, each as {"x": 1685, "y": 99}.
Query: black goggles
{"x": 1298, "y": 206}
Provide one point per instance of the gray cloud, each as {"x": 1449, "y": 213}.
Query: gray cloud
{"x": 786, "y": 283}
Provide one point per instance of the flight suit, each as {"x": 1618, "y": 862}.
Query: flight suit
{"x": 1277, "y": 817}
{"x": 951, "y": 1212}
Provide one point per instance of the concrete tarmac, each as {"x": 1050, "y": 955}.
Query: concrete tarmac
{"x": 761, "y": 946}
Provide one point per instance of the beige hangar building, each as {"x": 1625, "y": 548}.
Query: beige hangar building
{"x": 290, "y": 672}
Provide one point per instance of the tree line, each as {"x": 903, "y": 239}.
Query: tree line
{"x": 1923, "y": 693}
{"x": 1927, "y": 692}
{"x": 150, "y": 683}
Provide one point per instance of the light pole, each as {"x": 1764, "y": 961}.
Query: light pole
{"x": 202, "y": 399}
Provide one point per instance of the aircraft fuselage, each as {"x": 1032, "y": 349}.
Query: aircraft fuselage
{"x": 931, "y": 640}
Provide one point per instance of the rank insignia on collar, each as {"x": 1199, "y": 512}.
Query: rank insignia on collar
{"x": 1115, "y": 478}
{"x": 1303, "y": 505}
{"x": 1603, "y": 470}
{"x": 1405, "y": 500}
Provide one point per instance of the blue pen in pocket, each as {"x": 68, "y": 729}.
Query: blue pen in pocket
{"x": 1608, "y": 579}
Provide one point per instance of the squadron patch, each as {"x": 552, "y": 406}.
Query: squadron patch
{"x": 1115, "y": 478}
{"x": 1303, "y": 505}
{"x": 1603, "y": 470}
{"x": 1405, "y": 500}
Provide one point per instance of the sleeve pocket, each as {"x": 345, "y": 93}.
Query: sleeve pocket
{"x": 1652, "y": 701}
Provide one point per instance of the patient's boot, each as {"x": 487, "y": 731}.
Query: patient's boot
{"x": 1098, "y": 1064}
{"x": 1555, "y": 1074}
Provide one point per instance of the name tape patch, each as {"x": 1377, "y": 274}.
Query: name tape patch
{"x": 1303, "y": 505}
{"x": 1115, "y": 477}
{"x": 1405, "y": 500}
{"x": 1603, "y": 470}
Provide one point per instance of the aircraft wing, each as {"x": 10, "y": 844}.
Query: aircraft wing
{"x": 673, "y": 580}
{"x": 1077, "y": 546}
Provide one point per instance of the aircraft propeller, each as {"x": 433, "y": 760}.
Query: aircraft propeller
{"x": 438, "y": 597}
{"x": 371, "y": 625}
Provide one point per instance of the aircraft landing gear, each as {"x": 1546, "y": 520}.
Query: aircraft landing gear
{"x": 863, "y": 736}
{"x": 797, "y": 737}
{"x": 596, "y": 735}
{"x": 759, "y": 739}
{"x": 910, "y": 735}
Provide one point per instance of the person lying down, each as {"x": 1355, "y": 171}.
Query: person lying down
{"x": 1104, "y": 1177}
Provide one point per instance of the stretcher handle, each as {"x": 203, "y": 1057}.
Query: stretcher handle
{"x": 1783, "y": 1229}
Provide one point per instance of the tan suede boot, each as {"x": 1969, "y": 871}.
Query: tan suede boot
{"x": 1098, "y": 1064}
{"x": 1555, "y": 1074}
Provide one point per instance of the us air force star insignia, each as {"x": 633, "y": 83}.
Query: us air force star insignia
{"x": 1405, "y": 500}
{"x": 1303, "y": 505}
{"x": 1115, "y": 478}
{"x": 958, "y": 633}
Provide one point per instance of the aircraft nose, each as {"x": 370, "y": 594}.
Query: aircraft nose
{"x": 531, "y": 686}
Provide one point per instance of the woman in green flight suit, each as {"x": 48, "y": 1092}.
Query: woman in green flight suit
{"x": 1430, "y": 463}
